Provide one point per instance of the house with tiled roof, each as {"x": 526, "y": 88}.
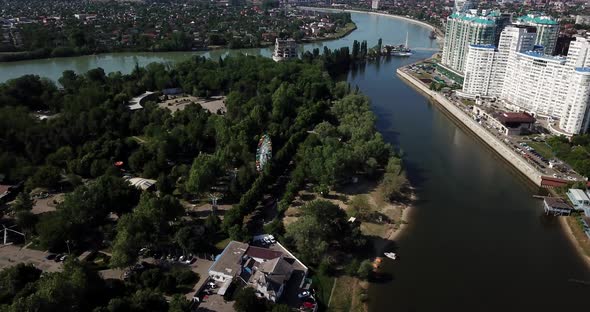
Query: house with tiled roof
{"x": 267, "y": 270}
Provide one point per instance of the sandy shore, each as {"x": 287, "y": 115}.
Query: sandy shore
{"x": 570, "y": 235}
{"x": 392, "y": 234}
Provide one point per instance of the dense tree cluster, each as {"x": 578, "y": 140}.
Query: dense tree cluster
{"x": 322, "y": 223}
{"x": 322, "y": 133}
{"x": 78, "y": 288}
{"x": 575, "y": 152}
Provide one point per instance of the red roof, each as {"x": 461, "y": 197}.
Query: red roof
{"x": 4, "y": 188}
{"x": 552, "y": 182}
{"x": 515, "y": 117}
{"x": 262, "y": 253}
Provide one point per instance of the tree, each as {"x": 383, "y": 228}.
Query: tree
{"x": 246, "y": 301}
{"x": 23, "y": 202}
{"x": 147, "y": 225}
{"x": 394, "y": 180}
{"x": 45, "y": 176}
{"x": 26, "y": 221}
{"x": 14, "y": 279}
{"x": 147, "y": 300}
{"x": 280, "y": 308}
{"x": 76, "y": 288}
{"x": 360, "y": 207}
{"x": 203, "y": 172}
{"x": 365, "y": 269}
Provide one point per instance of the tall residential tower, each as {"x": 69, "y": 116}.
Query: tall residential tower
{"x": 526, "y": 79}
{"x": 463, "y": 29}
{"x": 547, "y": 30}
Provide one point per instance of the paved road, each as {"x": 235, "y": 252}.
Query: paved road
{"x": 11, "y": 255}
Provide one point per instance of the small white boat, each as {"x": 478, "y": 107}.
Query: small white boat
{"x": 391, "y": 255}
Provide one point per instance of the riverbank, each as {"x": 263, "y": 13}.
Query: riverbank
{"x": 481, "y": 133}
{"x": 350, "y": 27}
{"x": 364, "y": 201}
{"x": 578, "y": 239}
{"x": 23, "y": 56}
{"x": 438, "y": 31}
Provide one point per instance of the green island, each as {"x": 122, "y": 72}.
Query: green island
{"x": 76, "y": 149}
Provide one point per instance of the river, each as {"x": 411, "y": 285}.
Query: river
{"x": 476, "y": 240}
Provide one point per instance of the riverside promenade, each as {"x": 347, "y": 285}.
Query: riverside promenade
{"x": 466, "y": 120}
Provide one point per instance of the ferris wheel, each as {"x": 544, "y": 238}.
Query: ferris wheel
{"x": 263, "y": 152}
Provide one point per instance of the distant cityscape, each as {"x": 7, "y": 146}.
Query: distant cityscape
{"x": 64, "y": 28}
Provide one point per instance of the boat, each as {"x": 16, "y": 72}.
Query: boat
{"x": 402, "y": 49}
{"x": 390, "y": 255}
{"x": 377, "y": 264}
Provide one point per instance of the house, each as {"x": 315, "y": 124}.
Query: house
{"x": 228, "y": 265}
{"x": 142, "y": 184}
{"x": 556, "y": 206}
{"x": 578, "y": 198}
{"x": 267, "y": 270}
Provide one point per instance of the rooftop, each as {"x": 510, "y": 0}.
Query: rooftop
{"x": 488, "y": 19}
{"x": 557, "y": 203}
{"x": 537, "y": 19}
{"x": 578, "y": 195}
{"x": 509, "y": 117}
{"x": 583, "y": 69}
{"x": 262, "y": 253}
{"x": 141, "y": 183}
{"x": 541, "y": 56}
{"x": 229, "y": 261}
{"x": 483, "y": 46}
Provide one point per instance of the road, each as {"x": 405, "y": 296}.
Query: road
{"x": 11, "y": 255}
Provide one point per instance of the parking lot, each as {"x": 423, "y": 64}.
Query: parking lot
{"x": 11, "y": 255}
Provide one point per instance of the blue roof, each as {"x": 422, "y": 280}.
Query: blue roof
{"x": 541, "y": 55}
{"x": 583, "y": 69}
{"x": 483, "y": 46}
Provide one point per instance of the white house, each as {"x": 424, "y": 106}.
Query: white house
{"x": 578, "y": 198}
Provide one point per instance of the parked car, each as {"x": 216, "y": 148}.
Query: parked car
{"x": 58, "y": 258}
{"x": 303, "y": 294}
{"x": 50, "y": 256}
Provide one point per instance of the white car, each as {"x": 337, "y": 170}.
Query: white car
{"x": 304, "y": 294}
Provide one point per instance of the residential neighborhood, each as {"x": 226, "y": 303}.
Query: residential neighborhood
{"x": 65, "y": 28}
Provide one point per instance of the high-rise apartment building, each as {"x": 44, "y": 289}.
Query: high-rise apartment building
{"x": 528, "y": 80}
{"x": 547, "y": 30}
{"x": 464, "y": 29}
{"x": 375, "y": 4}
{"x": 462, "y": 6}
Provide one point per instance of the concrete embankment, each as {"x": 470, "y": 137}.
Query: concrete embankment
{"x": 493, "y": 142}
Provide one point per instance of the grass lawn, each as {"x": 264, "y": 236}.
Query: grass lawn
{"x": 542, "y": 148}
{"x": 373, "y": 229}
{"x": 323, "y": 286}
{"x": 222, "y": 244}
{"x": 345, "y": 293}
{"x": 345, "y": 30}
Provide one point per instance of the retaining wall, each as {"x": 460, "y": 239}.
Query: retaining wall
{"x": 496, "y": 144}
